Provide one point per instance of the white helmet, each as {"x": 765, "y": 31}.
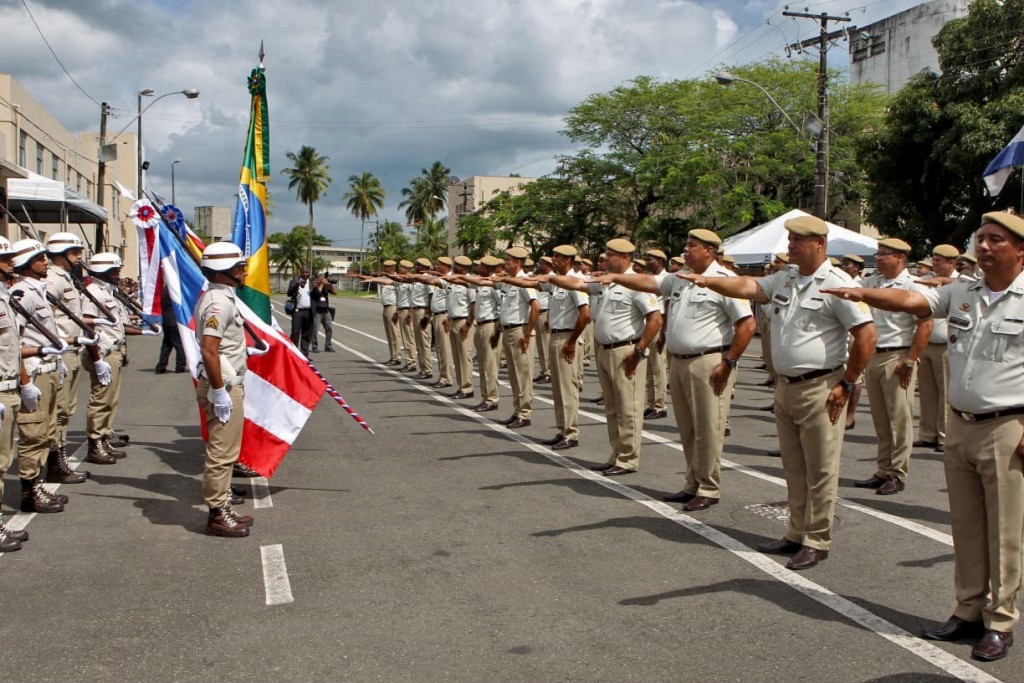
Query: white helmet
{"x": 101, "y": 263}
{"x": 60, "y": 242}
{"x": 222, "y": 256}
{"x": 5, "y": 246}
{"x": 25, "y": 251}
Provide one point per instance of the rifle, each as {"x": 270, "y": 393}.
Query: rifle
{"x": 80, "y": 286}
{"x": 33, "y": 321}
{"x": 89, "y": 329}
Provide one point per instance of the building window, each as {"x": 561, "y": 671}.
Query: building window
{"x": 39, "y": 159}
{"x": 22, "y": 144}
{"x": 54, "y": 167}
{"x": 88, "y": 189}
{"x": 78, "y": 182}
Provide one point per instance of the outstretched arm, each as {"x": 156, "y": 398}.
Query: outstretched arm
{"x": 744, "y": 287}
{"x": 889, "y": 299}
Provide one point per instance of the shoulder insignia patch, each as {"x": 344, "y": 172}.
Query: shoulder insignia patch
{"x": 864, "y": 308}
{"x": 965, "y": 306}
{"x": 211, "y": 323}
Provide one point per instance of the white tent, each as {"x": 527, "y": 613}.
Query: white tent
{"x": 753, "y": 246}
{"x": 49, "y": 202}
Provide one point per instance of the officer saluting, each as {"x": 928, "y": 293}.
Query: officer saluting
{"x": 985, "y": 438}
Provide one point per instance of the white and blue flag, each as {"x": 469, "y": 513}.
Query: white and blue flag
{"x": 998, "y": 171}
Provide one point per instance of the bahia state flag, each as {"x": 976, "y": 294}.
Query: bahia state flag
{"x": 998, "y": 171}
{"x": 249, "y": 228}
{"x": 281, "y": 388}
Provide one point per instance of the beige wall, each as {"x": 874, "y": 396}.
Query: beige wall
{"x": 213, "y": 221}
{"x": 470, "y": 194}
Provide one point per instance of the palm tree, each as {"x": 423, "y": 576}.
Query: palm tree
{"x": 308, "y": 177}
{"x": 427, "y": 194}
{"x": 364, "y": 198}
{"x": 432, "y": 240}
{"x": 290, "y": 253}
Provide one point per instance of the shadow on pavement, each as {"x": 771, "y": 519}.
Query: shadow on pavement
{"x": 581, "y": 486}
{"x": 927, "y": 563}
{"x": 659, "y": 527}
{"x": 905, "y": 510}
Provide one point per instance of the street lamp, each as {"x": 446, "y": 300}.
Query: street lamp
{"x": 173, "y": 164}
{"x": 817, "y": 126}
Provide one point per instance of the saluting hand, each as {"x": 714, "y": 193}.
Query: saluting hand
{"x": 698, "y": 280}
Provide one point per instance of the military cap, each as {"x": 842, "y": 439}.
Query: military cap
{"x": 517, "y": 253}
{"x": 640, "y": 262}
{"x": 728, "y": 259}
{"x": 529, "y": 262}
{"x": 657, "y": 253}
{"x": 705, "y": 236}
{"x": 1014, "y": 224}
{"x": 390, "y": 262}
{"x": 463, "y": 261}
{"x": 566, "y": 250}
{"x": 680, "y": 260}
{"x": 405, "y": 264}
{"x": 946, "y": 251}
{"x": 489, "y": 260}
{"x": 587, "y": 261}
{"x": 925, "y": 262}
{"x": 547, "y": 260}
{"x": 782, "y": 256}
{"x": 967, "y": 257}
{"x": 445, "y": 260}
{"x": 895, "y": 244}
{"x": 424, "y": 261}
{"x": 807, "y": 226}
{"x": 621, "y": 246}
{"x": 853, "y": 257}
{"x": 833, "y": 260}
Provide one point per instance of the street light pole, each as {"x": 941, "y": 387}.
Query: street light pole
{"x": 173, "y": 197}
{"x": 189, "y": 93}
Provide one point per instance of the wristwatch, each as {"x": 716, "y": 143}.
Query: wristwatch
{"x": 641, "y": 353}
{"x": 847, "y": 386}
{"x": 909, "y": 363}
{"x": 731, "y": 363}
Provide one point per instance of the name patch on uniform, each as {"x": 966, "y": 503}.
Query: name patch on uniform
{"x": 211, "y": 323}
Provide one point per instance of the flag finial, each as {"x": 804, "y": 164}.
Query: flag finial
{"x": 262, "y": 53}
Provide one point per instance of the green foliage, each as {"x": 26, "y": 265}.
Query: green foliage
{"x": 365, "y": 196}
{"x": 292, "y": 250}
{"x": 308, "y": 177}
{"x": 391, "y": 241}
{"x": 427, "y": 194}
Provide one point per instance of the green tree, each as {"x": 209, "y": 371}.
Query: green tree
{"x": 308, "y": 177}
{"x": 427, "y": 194}
{"x": 364, "y": 198}
{"x": 432, "y": 238}
{"x": 391, "y": 241}
{"x": 925, "y": 162}
{"x": 292, "y": 248}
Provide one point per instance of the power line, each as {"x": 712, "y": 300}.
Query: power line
{"x": 52, "y": 52}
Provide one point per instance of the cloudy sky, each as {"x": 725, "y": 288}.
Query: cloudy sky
{"x": 387, "y": 86}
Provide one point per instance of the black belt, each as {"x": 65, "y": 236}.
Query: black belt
{"x": 458, "y": 319}
{"x": 571, "y": 329}
{"x": 511, "y": 327}
{"x": 886, "y": 349}
{"x": 616, "y": 345}
{"x": 688, "y": 356}
{"x": 484, "y": 322}
{"x": 419, "y": 308}
{"x": 403, "y": 308}
{"x": 814, "y": 374}
{"x": 982, "y": 417}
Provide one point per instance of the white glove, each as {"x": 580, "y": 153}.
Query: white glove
{"x": 88, "y": 341}
{"x": 257, "y": 351}
{"x": 151, "y": 330}
{"x": 30, "y": 395}
{"x": 52, "y": 351}
{"x": 102, "y": 322}
{"x": 221, "y": 400}
{"x": 62, "y": 372}
{"x": 102, "y": 368}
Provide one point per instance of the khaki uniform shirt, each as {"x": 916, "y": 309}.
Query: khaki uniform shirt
{"x": 544, "y": 299}
{"x": 564, "y": 311}
{"x": 515, "y": 303}
{"x": 403, "y": 293}
{"x": 388, "y": 295}
{"x": 420, "y": 297}
{"x": 33, "y": 299}
{"x": 940, "y": 332}
{"x": 894, "y": 328}
{"x": 698, "y": 319}
{"x": 10, "y": 346}
{"x": 809, "y": 329}
{"x": 217, "y": 315}
{"x": 438, "y": 299}
{"x": 111, "y": 336}
{"x": 459, "y": 297}
{"x": 488, "y": 299}
{"x": 620, "y": 314}
{"x": 60, "y": 287}
{"x": 986, "y": 344}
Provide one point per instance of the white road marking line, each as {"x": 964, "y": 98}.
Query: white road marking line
{"x": 275, "y": 575}
{"x": 935, "y": 656}
{"x": 261, "y": 493}
{"x": 909, "y": 525}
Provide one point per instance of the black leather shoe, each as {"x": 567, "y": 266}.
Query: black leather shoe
{"x": 652, "y": 414}
{"x": 599, "y": 401}
{"x": 681, "y": 497}
{"x": 783, "y": 546}
{"x": 940, "y": 448}
{"x": 564, "y": 444}
{"x": 510, "y": 420}
{"x": 992, "y": 646}
{"x": 955, "y": 628}
{"x": 616, "y": 471}
{"x": 485, "y": 407}
{"x": 602, "y": 467}
{"x": 891, "y": 487}
{"x": 807, "y": 558}
{"x": 873, "y": 482}
{"x": 519, "y": 423}
{"x": 773, "y": 454}
{"x": 921, "y": 443}
{"x": 458, "y": 395}
{"x": 768, "y": 408}
{"x": 553, "y": 440}
{"x": 700, "y": 503}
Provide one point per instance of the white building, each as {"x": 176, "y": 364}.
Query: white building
{"x": 466, "y": 196}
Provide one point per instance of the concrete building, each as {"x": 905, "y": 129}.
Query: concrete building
{"x": 213, "y": 223}
{"x": 889, "y": 52}
{"x": 62, "y": 193}
{"x": 466, "y": 196}
{"x": 341, "y": 260}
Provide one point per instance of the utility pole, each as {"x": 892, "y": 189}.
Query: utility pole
{"x": 101, "y": 179}
{"x": 821, "y": 144}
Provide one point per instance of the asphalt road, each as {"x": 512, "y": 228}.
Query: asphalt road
{"x": 448, "y": 548}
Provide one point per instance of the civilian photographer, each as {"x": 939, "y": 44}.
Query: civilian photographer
{"x": 323, "y": 314}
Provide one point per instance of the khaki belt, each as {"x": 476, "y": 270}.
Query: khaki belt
{"x": 983, "y": 417}
{"x": 9, "y": 385}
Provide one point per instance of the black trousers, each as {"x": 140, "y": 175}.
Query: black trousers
{"x": 302, "y": 329}
{"x": 171, "y": 340}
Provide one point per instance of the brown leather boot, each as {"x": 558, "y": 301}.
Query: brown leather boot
{"x": 222, "y": 523}
{"x": 59, "y": 470}
{"x": 105, "y": 440}
{"x": 244, "y": 520}
{"x": 8, "y": 544}
{"x": 118, "y": 440}
{"x": 19, "y": 535}
{"x": 35, "y": 499}
{"x": 98, "y": 454}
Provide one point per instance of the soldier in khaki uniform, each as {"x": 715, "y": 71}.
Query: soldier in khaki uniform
{"x": 419, "y": 313}
{"x": 934, "y": 364}
{"x": 626, "y": 323}
{"x": 657, "y": 364}
{"x": 220, "y": 391}
{"x": 705, "y": 335}
{"x": 389, "y": 301}
{"x": 12, "y": 375}
{"x": 817, "y": 368}
{"x": 461, "y": 301}
{"x": 404, "y": 298}
{"x": 518, "y": 317}
{"x": 435, "y": 319}
{"x": 486, "y": 305}
{"x": 985, "y": 441}
{"x": 543, "y": 328}
{"x": 891, "y": 373}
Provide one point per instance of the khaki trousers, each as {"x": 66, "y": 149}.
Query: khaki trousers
{"x": 392, "y": 333}
{"x": 696, "y": 409}
{"x": 461, "y": 356}
{"x": 986, "y": 511}
{"x": 931, "y": 376}
{"x": 589, "y": 351}
{"x": 520, "y": 371}
{"x": 103, "y": 400}
{"x": 543, "y": 331}
{"x": 657, "y": 378}
{"x": 444, "y": 347}
{"x": 37, "y": 429}
{"x": 487, "y": 362}
{"x": 223, "y": 443}
{"x": 564, "y": 385}
{"x": 623, "y": 404}
{"x": 811, "y": 446}
{"x": 422, "y": 337}
{"x": 892, "y": 411}
{"x": 67, "y": 396}
{"x": 765, "y": 328}
{"x": 408, "y": 337}
{"x": 11, "y": 401}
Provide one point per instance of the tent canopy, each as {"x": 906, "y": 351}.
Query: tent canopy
{"x": 50, "y": 202}
{"x": 754, "y": 246}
